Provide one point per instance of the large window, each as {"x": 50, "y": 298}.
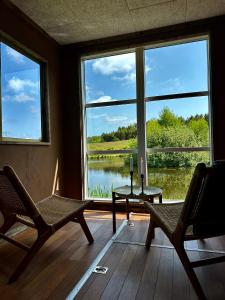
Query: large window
{"x": 22, "y": 113}
{"x": 152, "y": 104}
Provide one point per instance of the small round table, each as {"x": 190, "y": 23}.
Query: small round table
{"x": 124, "y": 192}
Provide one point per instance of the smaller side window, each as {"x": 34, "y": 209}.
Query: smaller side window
{"x": 22, "y": 113}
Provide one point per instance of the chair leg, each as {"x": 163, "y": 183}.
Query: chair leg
{"x": 127, "y": 209}
{"x": 85, "y": 228}
{"x": 8, "y": 223}
{"x": 33, "y": 250}
{"x": 150, "y": 234}
{"x": 189, "y": 271}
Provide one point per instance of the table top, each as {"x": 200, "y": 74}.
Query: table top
{"x": 125, "y": 191}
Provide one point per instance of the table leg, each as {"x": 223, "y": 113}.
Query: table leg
{"x": 160, "y": 198}
{"x": 128, "y": 209}
{"x": 114, "y": 211}
{"x": 151, "y": 198}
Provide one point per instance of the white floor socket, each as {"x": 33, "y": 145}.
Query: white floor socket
{"x": 100, "y": 270}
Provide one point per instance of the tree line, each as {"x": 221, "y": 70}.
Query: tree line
{"x": 121, "y": 134}
{"x": 193, "y": 127}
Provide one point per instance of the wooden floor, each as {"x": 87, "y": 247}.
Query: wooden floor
{"x": 158, "y": 274}
{"x": 60, "y": 263}
{"x": 133, "y": 272}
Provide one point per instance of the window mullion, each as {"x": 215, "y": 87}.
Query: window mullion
{"x": 1, "y": 91}
{"x": 141, "y": 116}
{"x": 83, "y": 129}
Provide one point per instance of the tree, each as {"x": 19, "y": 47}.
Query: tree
{"x": 168, "y": 118}
{"x": 201, "y": 130}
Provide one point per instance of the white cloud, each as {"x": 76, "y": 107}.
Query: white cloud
{"x": 112, "y": 120}
{"x": 127, "y": 78}
{"x": 91, "y": 93}
{"x": 16, "y": 56}
{"x": 96, "y": 116}
{"x": 172, "y": 85}
{"x": 22, "y": 98}
{"x": 124, "y": 63}
{"x": 147, "y": 69}
{"x": 87, "y": 91}
{"x": 19, "y": 98}
{"x": 17, "y": 85}
{"x": 116, "y": 119}
{"x": 102, "y": 99}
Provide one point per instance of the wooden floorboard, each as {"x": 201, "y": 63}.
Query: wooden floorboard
{"x": 119, "y": 276}
{"x": 134, "y": 272}
{"x": 149, "y": 277}
{"x": 60, "y": 263}
{"x": 180, "y": 284}
{"x": 157, "y": 273}
{"x": 131, "y": 284}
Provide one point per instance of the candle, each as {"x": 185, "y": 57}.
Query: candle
{"x": 131, "y": 164}
{"x": 142, "y": 166}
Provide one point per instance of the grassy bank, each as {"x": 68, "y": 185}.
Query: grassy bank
{"x": 117, "y": 145}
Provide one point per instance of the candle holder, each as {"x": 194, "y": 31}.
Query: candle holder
{"x": 131, "y": 182}
{"x": 142, "y": 184}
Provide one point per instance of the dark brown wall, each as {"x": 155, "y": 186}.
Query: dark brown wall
{"x": 72, "y": 53}
{"x": 35, "y": 164}
{"x": 72, "y": 175}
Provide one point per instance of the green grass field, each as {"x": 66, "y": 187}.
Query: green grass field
{"x": 118, "y": 145}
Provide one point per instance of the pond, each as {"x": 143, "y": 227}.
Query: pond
{"x": 110, "y": 172}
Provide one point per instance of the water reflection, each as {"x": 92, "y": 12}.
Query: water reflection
{"x": 110, "y": 172}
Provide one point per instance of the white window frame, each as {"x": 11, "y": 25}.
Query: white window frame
{"x": 140, "y": 102}
{"x": 45, "y": 139}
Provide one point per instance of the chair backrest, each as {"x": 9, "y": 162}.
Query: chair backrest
{"x": 205, "y": 201}
{"x": 14, "y": 199}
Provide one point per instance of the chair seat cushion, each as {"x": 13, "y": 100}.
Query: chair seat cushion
{"x": 55, "y": 208}
{"x": 167, "y": 216}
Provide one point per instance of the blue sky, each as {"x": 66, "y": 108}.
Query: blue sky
{"x": 168, "y": 70}
{"x": 20, "y": 88}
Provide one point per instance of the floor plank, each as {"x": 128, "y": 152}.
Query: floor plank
{"x": 60, "y": 263}
{"x": 119, "y": 276}
{"x": 134, "y": 272}
{"x": 131, "y": 284}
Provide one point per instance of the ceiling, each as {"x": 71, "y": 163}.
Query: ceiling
{"x": 72, "y": 21}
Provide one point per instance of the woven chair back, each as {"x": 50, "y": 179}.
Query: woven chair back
{"x": 208, "y": 212}
{"x": 205, "y": 201}
{"x": 10, "y": 201}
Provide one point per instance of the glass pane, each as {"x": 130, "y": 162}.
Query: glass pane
{"x": 173, "y": 171}
{"x": 176, "y": 69}
{"x": 106, "y": 172}
{"x": 110, "y": 78}
{"x": 112, "y": 127}
{"x": 20, "y": 82}
{"x": 178, "y": 123}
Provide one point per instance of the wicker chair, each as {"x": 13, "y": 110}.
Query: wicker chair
{"x": 200, "y": 216}
{"x": 46, "y": 217}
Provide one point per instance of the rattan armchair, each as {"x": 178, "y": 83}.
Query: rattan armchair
{"x": 46, "y": 216}
{"x": 200, "y": 216}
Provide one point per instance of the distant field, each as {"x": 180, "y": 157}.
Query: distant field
{"x": 118, "y": 145}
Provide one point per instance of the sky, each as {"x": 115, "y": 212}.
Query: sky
{"x": 172, "y": 69}
{"x": 20, "y": 89}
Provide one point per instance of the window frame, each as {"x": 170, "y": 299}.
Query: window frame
{"x": 142, "y": 151}
{"x": 44, "y": 99}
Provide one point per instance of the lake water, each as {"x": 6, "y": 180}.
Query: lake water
{"x": 107, "y": 173}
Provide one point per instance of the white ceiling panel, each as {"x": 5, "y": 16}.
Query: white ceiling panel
{"x": 102, "y": 17}
{"x": 46, "y": 13}
{"x": 164, "y": 14}
{"x": 204, "y": 8}
{"x": 71, "y": 21}
{"x": 134, "y": 4}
